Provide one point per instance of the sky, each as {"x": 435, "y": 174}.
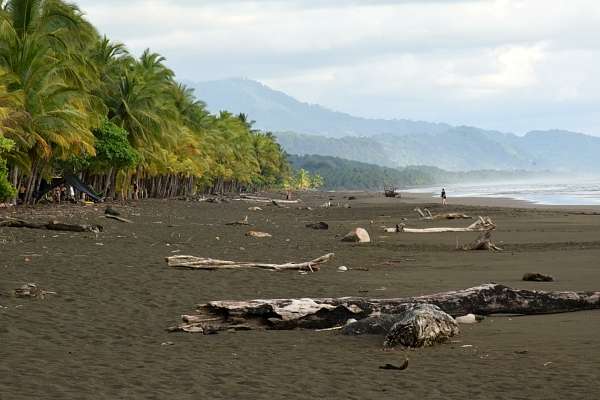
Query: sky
{"x": 509, "y": 65}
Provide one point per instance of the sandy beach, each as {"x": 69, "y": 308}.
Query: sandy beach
{"x": 103, "y": 334}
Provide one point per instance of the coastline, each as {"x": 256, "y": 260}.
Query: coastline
{"x": 508, "y": 202}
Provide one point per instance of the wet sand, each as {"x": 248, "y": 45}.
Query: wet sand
{"x": 100, "y": 336}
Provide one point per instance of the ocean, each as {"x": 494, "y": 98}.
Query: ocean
{"x": 581, "y": 192}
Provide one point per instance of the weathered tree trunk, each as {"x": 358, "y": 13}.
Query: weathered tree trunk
{"x": 52, "y": 225}
{"x": 210, "y": 264}
{"x": 482, "y": 224}
{"x": 321, "y": 313}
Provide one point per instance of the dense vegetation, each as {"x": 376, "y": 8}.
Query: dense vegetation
{"x": 339, "y": 173}
{"x": 74, "y": 102}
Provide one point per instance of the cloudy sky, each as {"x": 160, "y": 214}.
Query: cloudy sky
{"x": 511, "y": 65}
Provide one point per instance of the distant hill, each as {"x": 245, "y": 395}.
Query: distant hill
{"x": 303, "y": 128}
{"x": 276, "y": 111}
{"x": 460, "y": 149}
{"x": 340, "y": 174}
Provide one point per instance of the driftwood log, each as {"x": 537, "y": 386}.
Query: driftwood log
{"x": 192, "y": 262}
{"x": 32, "y": 290}
{"x": 483, "y": 242}
{"x": 266, "y": 200}
{"x": 482, "y": 224}
{"x": 116, "y": 217}
{"x": 426, "y": 215}
{"x": 320, "y": 313}
{"x": 243, "y": 221}
{"x": 51, "y": 225}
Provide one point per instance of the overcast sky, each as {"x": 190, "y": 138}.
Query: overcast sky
{"x": 511, "y": 65}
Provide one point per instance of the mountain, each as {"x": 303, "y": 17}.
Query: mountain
{"x": 303, "y": 129}
{"x": 276, "y": 111}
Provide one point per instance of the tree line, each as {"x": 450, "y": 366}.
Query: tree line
{"x": 74, "y": 102}
{"x": 338, "y": 173}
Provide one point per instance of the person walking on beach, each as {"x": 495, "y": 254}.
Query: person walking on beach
{"x": 444, "y": 203}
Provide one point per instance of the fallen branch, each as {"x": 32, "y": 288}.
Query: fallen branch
{"x": 483, "y": 242}
{"x": 31, "y": 290}
{"x": 51, "y": 225}
{"x": 426, "y": 215}
{"x": 482, "y": 224}
{"x": 240, "y": 222}
{"x": 192, "y": 262}
{"x": 259, "y": 199}
{"x": 121, "y": 219}
{"x": 320, "y": 313}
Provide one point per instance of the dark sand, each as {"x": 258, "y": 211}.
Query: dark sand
{"x": 100, "y": 336}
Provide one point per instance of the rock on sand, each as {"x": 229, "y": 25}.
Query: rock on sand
{"x": 357, "y": 235}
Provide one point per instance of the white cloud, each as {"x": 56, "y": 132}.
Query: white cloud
{"x": 494, "y": 63}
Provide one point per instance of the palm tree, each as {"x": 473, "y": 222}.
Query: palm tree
{"x": 39, "y": 45}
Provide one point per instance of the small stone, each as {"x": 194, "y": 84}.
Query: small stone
{"x": 343, "y": 268}
{"x": 467, "y": 319}
{"x": 111, "y": 211}
{"x": 357, "y": 235}
{"x": 318, "y": 225}
{"x": 537, "y": 277}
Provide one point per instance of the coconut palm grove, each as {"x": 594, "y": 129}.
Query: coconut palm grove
{"x": 74, "y": 102}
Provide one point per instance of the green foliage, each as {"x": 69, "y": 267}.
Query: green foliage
{"x": 72, "y": 99}
{"x": 6, "y": 189}
{"x": 339, "y": 173}
{"x": 303, "y": 180}
{"x": 112, "y": 148}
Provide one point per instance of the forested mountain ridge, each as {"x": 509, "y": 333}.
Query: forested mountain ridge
{"x": 302, "y": 128}
{"x": 461, "y": 149}
{"x": 275, "y": 111}
{"x": 339, "y": 173}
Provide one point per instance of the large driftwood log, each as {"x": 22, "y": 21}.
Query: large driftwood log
{"x": 482, "y": 224}
{"x": 51, "y": 225}
{"x": 426, "y": 215}
{"x": 322, "y": 313}
{"x": 192, "y": 262}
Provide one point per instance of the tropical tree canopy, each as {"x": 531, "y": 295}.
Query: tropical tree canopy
{"x": 73, "y": 101}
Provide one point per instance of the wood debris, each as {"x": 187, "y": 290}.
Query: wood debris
{"x": 191, "y": 262}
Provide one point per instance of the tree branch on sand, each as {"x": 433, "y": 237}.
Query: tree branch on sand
{"x": 192, "y": 262}
{"x": 426, "y": 215}
{"x": 483, "y": 242}
{"x": 482, "y": 224}
{"x": 321, "y": 313}
{"x": 51, "y": 225}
